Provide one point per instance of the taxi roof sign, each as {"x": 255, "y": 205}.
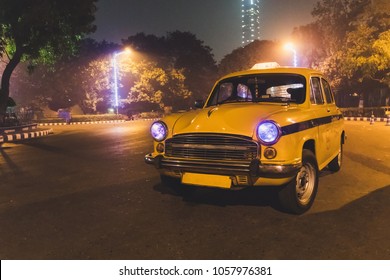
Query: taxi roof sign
{"x": 265, "y": 65}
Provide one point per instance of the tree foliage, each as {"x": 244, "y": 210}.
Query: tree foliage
{"x": 40, "y": 30}
{"x": 82, "y": 79}
{"x": 349, "y": 40}
{"x": 365, "y": 54}
{"x": 153, "y": 84}
{"x": 258, "y": 51}
{"x": 185, "y": 53}
{"x": 353, "y": 42}
{"x": 190, "y": 54}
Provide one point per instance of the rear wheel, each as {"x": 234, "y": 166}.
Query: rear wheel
{"x": 176, "y": 186}
{"x": 336, "y": 163}
{"x": 298, "y": 196}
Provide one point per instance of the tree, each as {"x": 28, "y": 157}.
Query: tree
{"x": 258, "y": 51}
{"x": 91, "y": 70}
{"x": 94, "y": 83}
{"x": 150, "y": 79}
{"x": 197, "y": 61}
{"x": 42, "y": 30}
{"x": 176, "y": 93}
{"x": 155, "y": 47}
{"x": 181, "y": 51}
{"x": 308, "y": 39}
{"x": 365, "y": 53}
{"x": 156, "y": 85}
{"x": 82, "y": 79}
{"x": 349, "y": 42}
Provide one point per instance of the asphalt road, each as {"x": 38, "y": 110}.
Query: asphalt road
{"x": 85, "y": 193}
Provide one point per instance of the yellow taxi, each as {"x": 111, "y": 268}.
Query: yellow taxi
{"x": 267, "y": 126}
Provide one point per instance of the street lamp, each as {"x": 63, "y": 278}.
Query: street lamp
{"x": 115, "y": 69}
{"x": 290, "y": 47}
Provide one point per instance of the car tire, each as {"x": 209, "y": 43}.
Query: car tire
{"x": 298, "y": 195}
{"x": 336, "y": 163}
{"x": 176, "y": 186}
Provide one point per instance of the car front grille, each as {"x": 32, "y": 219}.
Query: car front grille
{"x": 211, "y": 147}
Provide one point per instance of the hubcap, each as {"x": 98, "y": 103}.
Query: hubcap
{"x": 340, "y": 157}
{"x": 305, "y": 183}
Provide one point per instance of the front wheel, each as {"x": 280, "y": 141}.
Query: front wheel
{"x": 298, "y": 196}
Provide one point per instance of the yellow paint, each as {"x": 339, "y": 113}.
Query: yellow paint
{"x": 242, "y": 119}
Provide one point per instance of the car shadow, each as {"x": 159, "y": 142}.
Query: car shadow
{"x": 258, "y": 196}
{"x": 369, "y": 162}
{"x": 358, "y": 230}
{"x": 8, "y": 161}
{"x": 118, "y": 222}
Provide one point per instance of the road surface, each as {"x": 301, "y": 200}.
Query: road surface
{"x": 86, "y": 193}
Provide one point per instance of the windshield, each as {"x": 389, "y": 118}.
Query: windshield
{"x": 260, "y": 88}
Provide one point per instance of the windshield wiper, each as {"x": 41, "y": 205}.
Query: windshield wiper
{"x": 235, "y": 100}
{"x": 274, "y": 99}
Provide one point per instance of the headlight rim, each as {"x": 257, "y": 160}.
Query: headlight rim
{"x": 279, "y": 133}
{"x": 165, "y": 129}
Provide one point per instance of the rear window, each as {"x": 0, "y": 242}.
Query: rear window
{"x": 328, "y": 91}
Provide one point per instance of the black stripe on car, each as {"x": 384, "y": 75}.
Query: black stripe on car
{"x": 297, "y": 127}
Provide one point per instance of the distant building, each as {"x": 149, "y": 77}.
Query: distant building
{"x": 250, "y": 21}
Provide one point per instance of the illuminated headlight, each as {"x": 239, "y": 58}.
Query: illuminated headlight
{"x": 159, "y": 131}
{"x": 268, "y": 132}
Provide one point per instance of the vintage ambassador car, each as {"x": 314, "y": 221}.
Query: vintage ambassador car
{"x": 267, "y": 126}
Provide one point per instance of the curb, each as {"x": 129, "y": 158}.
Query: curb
{"x": 77, "y": 123}
{"x": 365, "y": 119}
{"x": 23, "y": 132}
{"x": 92, "y": 122}
{"x": 24, "y": 135}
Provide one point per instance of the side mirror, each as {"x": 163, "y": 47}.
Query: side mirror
{"x": 199, "y": 104}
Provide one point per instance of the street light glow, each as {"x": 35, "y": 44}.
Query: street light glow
{"x": 126, "y": 51}
{"x": 290, "y": 47}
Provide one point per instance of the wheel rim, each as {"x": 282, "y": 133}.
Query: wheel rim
{"x": 305, "y": 184}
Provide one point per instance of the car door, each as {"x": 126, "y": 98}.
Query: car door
{"x": 336, "y": 118}
{"x": 323, "y": 120}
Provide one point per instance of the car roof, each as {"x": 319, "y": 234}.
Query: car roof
{"x": 277, "y": 70}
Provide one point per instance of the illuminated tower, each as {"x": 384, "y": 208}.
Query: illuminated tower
{"x": 250, "y": 21}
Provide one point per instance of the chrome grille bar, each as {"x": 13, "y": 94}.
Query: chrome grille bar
{"x": 211, "y": 147}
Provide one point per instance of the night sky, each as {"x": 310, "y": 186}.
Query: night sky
{"x": 216, "y": 22}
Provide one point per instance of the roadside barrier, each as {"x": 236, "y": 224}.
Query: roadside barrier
{"x": 94, "y": 122}
{"x": 365, "y": 119}
{"x": 22, "y": 132}
{"x": 372, "y": 119}
{"x": 84, "y": 122}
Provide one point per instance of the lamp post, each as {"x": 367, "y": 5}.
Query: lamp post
{"x": 290, "y": 47}
{"x": 115, "y": 69}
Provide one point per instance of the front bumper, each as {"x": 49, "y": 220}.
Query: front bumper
{"x": 252, "y": 168}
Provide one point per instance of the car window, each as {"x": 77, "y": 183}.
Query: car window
{"x": 260, "y": 88}
{"x": 223, "y": 92}
{"x": 316, "y": 92}
{"x": 328, "y": 92}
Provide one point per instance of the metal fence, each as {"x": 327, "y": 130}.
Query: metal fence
{"x": 379, "y": 112}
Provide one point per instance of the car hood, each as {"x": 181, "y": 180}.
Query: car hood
{"x": 239, "y": 119}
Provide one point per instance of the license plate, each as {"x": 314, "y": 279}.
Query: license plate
{"x": 218, "y": 181}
